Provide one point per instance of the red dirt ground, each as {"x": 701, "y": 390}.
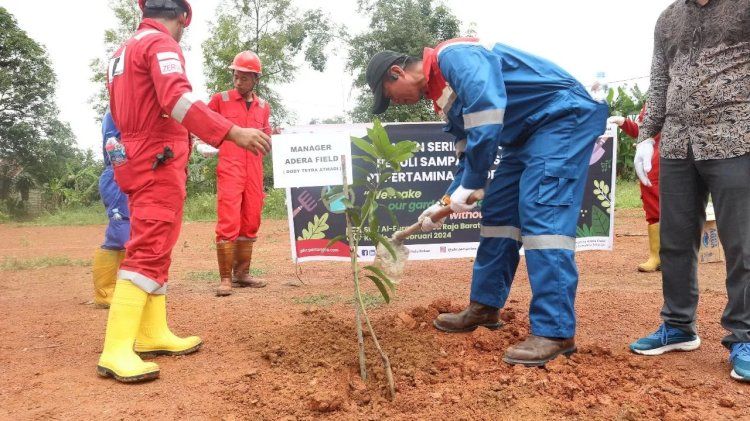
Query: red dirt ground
{"x": 289, "y": 353}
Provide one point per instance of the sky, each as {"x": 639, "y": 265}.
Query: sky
{"x": 585, "y": 37}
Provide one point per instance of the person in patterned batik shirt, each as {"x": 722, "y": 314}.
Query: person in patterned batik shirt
{"x": 700, "y": 101}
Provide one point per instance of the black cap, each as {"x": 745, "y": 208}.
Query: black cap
{"x": 376, "y": 70}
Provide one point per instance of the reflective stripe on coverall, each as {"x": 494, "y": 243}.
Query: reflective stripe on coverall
{"x": 116, "y": 202}
{"x": 547, "y": 124}
{"x": 153, "y": 106}
{"x": 239, "y": 172}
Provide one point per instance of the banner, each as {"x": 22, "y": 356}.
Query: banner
{"x": 316, "y": 217}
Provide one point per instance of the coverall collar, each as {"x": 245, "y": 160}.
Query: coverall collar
{"x": 436, "y": 84}
{"x": 428, "y": 56}
{"x": 153, "y": 24}
{"x": 235, "y": 96}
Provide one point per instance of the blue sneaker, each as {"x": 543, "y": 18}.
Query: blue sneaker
{"x": 664, "y": 340}
{"x": 740, "y": 359}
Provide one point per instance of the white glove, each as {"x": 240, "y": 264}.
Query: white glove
{"x": 116, "y": 215}
{"x": 616, "y": 119}
{"x": 206, "y": 150}
{"x": 459, "y": 198}
{"x": 425, "y": 218}
{"x": 644, "y": 151}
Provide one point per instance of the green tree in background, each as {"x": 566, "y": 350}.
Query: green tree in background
{"x": 406, "y": 27}
{"x": 76, "y": 185}
{"x": 275, "y": 30}
{"x": 128, "y": 16}
{"x": 626, "y": 102}
{"x": 34, "y": 143}
{"x": 280, "y": 34}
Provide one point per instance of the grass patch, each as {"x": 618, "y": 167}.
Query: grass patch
{"x": 372, "y": 299}
{"x": 88, "y": 215}
{"x": 200, "y": 207}
{"x": 274, "y": 206}
{"x": 257, "y": 271}
{"x": 628, "y": 194}
{"x": 11, "y": 263}
{"x": 203, "y": 276}
{"x": 213, "y": 275}
{"x": 369, "y": 300}
{"x": 321, "y": 300}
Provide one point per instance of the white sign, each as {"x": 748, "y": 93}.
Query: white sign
{"x": 311, "y": 159}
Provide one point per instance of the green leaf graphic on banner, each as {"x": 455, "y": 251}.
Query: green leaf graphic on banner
{"x": 316, "y": 229}
{"x": 602, "y": 192}
{"x": 583, "y": 231}
{"x": 599, "y": 222}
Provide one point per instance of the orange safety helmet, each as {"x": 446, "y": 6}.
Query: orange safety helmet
{"x": 247, "y": 61}
{"x": 169, "y": 5}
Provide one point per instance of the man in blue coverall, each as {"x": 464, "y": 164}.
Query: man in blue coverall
{"x": 107, "y": 258}
{"x": 494, "y": 96}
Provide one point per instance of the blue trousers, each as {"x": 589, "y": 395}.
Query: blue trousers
{"x": 534, "y": 200}
{"x": 116, "y": 202}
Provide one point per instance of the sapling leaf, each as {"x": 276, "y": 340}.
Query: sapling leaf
{"x": 379, "y": 283}
{"x": 335, "y": 239}
{"x": 380, "y": 274}
{"x": 365, "y": 146}
{"x": 365, "y": 158}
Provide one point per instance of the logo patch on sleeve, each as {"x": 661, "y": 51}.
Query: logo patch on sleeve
{"x": 169, "y": 62}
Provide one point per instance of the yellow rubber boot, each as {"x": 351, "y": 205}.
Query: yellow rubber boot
{"x": 118, "y": 359}
{"x": 654, "y": 262}
{"x": 154, "y": 337}
{"x": 104, "y": 271}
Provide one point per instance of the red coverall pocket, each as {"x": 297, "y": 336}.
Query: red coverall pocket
{"x": 557, "y": 185}
{"x": 260, "y": 124}
{"x": 156, "y": 213}
{"x": 151, "y": 227}
{"x": 135, "y": 173}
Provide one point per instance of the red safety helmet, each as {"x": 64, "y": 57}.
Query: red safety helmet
{"x": 170, "y": 5}
{"x": 247, "y": 61}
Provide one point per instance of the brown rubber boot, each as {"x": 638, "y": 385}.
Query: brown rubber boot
{"x": 538, "y": 350}
{"x": 654, "y": 262}
{"x": 225, "y": 256}
{"x": 469, "y": 319}
{"x": 243, "y": 256}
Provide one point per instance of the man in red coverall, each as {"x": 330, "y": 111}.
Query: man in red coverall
{"x": 649, "y": 194}
{"x": 239, "y": 177}
{"x": 153, "y": 106}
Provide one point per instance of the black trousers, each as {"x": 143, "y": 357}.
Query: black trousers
{"x": 685, "y": 185}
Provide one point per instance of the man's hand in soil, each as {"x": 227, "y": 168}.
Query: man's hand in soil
{"x": 253, "y": 140}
